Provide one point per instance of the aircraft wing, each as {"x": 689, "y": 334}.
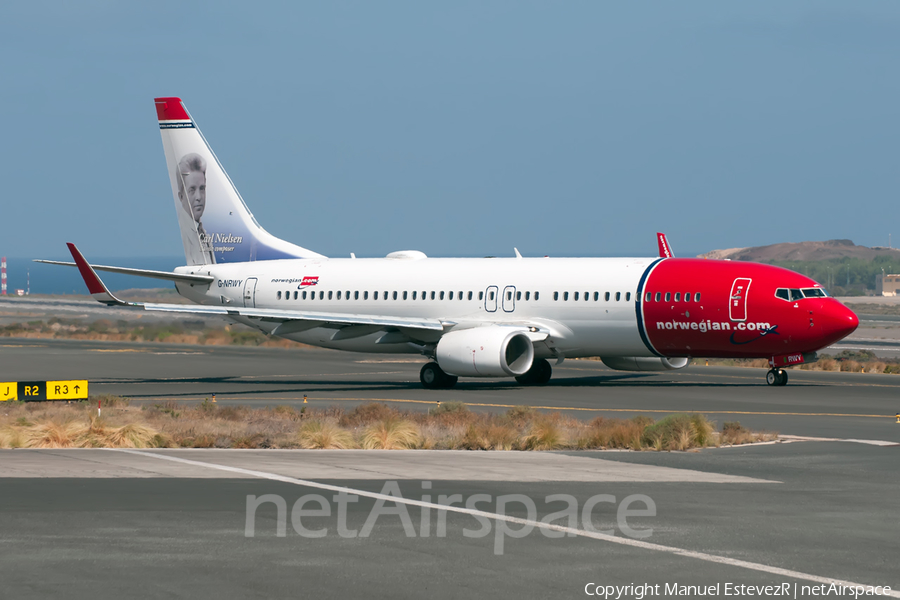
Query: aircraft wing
{"x": 292, "y": 321}
{"x": 139, "y": 272}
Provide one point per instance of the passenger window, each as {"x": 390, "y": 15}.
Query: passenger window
{"x": 470, "y": 295}
{"x": 304, "y": 294}
{"x": 658, "y": 295}
{"x": 329, "y": 295}
{"x": 527, "y": 296}
{"x": 576, "y": 295}
{"x": 648, "y": 297}
{"x": 278, "y": 295}
{"x": 404, "y": 295}
{"x": 385, "y": 295}
{"x": 491, "y": 296}
{"x": 606, "y": 296}
{"x": 687, "y": 296}
{"x": 556, "y": 295}
{"x": 796, "y": 294}
{"x": 365, "y": 295}
{"x": 596, "y": 296}
{"x": 668, "y": 296}
{"x": 697, "y": 297}
{"x": 565, "y": 296}
{"x": 459, "y": 296}
{"x": 536, "y": 296}
{"x": 339, "y": 295}
{"x": 374, "y": 295}
{"x": 356, "y": 295}
{"x": 518, "y": 295}
{"x": 321, "y": 295}
{"x": 395, "y": 295}
{"x": 587, "y": 296}
{"x": 618, "y": 296}
{"x": 414, "y": 295}
{"x": 677, "y": 296}
{"x": 814, "y": 293}
{"x": 295, "y": 295}
{"x": 432, "y": 295}
{"x": 627, "y": 296}
{"x": 481, "y": 295}
{"x": 442, "y": 295}
{"x": 451, "y": 296}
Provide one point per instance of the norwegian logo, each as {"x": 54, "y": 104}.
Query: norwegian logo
{"x": 308, "y": 281}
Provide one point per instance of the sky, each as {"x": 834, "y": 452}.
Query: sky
{"x": 575, "y": 128}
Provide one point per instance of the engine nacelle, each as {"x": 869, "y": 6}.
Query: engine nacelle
{"x": 645, "y": 363}
{"x": 491, "y": 351}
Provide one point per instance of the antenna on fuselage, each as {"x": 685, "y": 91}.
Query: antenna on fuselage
{"x": 517, "y": 253}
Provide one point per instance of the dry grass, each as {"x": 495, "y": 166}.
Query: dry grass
{"x": 391, "y": 434}
{"x": 449, "y": 426}
{"x": 325, "y": 435}
{"x": 733, "y": 433}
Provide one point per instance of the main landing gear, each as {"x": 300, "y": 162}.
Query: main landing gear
{"x": 434, "y": 378}
{"x": 777, "y": 377}
{"x": 539, "y": 373}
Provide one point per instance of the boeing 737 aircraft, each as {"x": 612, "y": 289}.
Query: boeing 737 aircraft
{"x": 474, "y": 317}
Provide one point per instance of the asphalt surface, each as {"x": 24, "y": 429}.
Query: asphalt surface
{"x": 834, "y": 405}
{"x": 108, "y": 524}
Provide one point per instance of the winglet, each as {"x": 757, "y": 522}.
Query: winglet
{"x": 665, "y": 251}
{"x": 95, "y": 286}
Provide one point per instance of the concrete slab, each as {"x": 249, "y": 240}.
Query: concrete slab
{"x": 380, "y": 465}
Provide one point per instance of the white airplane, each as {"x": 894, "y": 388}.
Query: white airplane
{"x": 474, "y": 317}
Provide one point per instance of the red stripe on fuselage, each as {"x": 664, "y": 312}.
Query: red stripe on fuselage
{"x": 709, "y": 326}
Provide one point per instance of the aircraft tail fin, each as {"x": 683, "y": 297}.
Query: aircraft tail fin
{"x": 216, "y": 225}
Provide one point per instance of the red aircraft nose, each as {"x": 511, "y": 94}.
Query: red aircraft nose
{"x": 837, "y": 321}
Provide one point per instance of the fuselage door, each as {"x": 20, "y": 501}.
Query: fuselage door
{"x": 737, "y": 304}
{"x": 490, "y": 298}
{"x": 250, "y": 293}
{"x": 509, "y": 298}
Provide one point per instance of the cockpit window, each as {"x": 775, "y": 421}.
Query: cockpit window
{"x": 783, "y": 293}
{"x": 796, "y": 295}
{"x": 814, "y": 293}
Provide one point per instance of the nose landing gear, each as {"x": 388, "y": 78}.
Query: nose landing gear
{"x": 777, "y": 377}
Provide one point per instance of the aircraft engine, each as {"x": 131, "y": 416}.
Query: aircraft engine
{"x": 644, "y": 363}
{"x": 492, "y": 351}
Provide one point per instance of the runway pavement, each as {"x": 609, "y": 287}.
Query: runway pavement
{"x": 174, "y": 523}
{"x": 833, "y": 405}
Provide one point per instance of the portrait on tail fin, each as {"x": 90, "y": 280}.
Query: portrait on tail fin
{"x": 191, "y": 177}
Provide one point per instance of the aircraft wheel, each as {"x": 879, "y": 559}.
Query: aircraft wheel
{"x": 772, "y": 377}
{"x": 431, "y": 376}
{"x": 434, "y": 378}
{"x": 539, "y": 373}
{"x": 782, "y": 377}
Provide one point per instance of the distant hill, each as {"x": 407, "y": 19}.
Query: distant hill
{"x": 806, "y": 252}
